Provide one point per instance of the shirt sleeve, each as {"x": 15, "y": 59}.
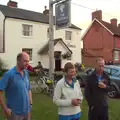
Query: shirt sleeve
{"x": 80, "y": 92}
{"x": 4, "y": 81}
{"x": 57, "y": 97}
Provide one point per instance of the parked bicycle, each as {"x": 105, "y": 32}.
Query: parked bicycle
{"x": 43, "y": 83}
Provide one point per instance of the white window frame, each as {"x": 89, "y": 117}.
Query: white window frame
{"x": 27, "y": 30}
{"x": 29, "y": 51}
{"x": 68, "y": 35}
{"x": 116, "y": 55}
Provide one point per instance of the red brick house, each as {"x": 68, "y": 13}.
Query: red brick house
{"x": 101, "y": 39}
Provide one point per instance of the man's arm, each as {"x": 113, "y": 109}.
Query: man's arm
{"x": 108, "y": 85}
{"x": 57, "y": 97}
{"x": 3, "y": 85}
{"x": 88, "y": 91}
{"x": 80, "y": 92}
{"x": 4, "y": 82}
{"x": 30, "y": 93}
{"x": 29, "y": 89}
{"x": 30, "y": 96}
{"x": 2, "y": 103}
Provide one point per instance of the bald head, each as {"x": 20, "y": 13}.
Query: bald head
{"x": 22, "y": 60}
{"x": 22, "y": 54}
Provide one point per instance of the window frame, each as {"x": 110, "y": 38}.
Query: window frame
{"x": 114, "y": 70}
{"x": 107, "y": 69}
{"x": 116, "y": 55}
{"x": 27, "y": 30}
{"x": 68, "y": 35}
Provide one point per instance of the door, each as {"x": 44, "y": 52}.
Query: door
{"x": 57, "y": 60}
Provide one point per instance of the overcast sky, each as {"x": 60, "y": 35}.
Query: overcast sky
{"x": 80, "y": 16}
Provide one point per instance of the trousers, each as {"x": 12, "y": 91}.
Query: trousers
{"x": 17, "y": 117}
{"x": 98, "y": 113}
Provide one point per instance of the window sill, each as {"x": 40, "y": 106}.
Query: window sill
{"x": 28, "y": 37}
{"x": 116, "y": 60}
{"x": 31, "y": 62}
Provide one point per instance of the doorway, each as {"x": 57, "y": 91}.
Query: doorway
{"x": 57, "y": 55}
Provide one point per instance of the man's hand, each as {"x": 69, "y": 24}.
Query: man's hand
{"x": 75, "y": 102}
{"x": 101, "y": 85}
{"x": 7, "y": 112}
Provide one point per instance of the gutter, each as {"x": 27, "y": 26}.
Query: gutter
{"x": 4, "y": 35}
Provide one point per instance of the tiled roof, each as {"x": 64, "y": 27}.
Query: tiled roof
{"x": 114, "y": 29}
{"x": 46, "y": 47}
{"x": 27, "y": 15}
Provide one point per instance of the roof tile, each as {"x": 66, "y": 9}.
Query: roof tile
{"x": 27, "y": 15}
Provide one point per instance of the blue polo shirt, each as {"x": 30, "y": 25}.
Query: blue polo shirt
{"x": 16, "y": 89}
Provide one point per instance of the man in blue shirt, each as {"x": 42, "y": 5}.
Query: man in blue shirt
{"x": 18, "y": 95}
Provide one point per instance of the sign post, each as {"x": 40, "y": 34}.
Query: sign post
{"x": 63, "y": 19}
{"x": 51, "y": 40}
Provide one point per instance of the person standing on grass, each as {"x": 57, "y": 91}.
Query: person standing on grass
{"x": 97, "y": 87}
{"x": 68, "y": 95}
{"x": 16, "y": 85}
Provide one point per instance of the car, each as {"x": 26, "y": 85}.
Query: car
{"x": 82, "y": 76}
{"x": 114, "y": 72}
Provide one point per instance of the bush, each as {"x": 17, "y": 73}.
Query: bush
{"x": 2, "y": 67}
{"x": 32, "y": 74}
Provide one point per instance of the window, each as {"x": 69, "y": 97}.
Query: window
{"x": 118, "y": 76}
{"x": 27, "y": 30}
{"x": 68, "y": 35}
{"x": 28, "y": 51}
{"x": 48, "y": 33}
{"x": 107, "y": 70}
{"x": 113, "y": 71}
{"x": 116, "y": 55}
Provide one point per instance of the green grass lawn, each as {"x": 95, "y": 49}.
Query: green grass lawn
{"x": 44, "y": 109}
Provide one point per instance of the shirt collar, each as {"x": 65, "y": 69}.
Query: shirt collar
{"x": 15, "y": 69}
{"x": 94, "y": 72}
{"x": 73, "y": 82}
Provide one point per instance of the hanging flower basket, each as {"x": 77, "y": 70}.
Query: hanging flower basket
{"x": 66, "y": 55}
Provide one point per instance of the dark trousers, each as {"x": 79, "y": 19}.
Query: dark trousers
{"x": 98, "y": 113}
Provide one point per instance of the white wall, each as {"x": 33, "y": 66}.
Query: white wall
{"x": 15, "y": 41}
{"x": 45, "y": 57}
{"x": 76, "y": 40}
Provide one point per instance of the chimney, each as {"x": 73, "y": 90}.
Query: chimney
{"x": 46, "y": 11}
{"x": 12, "y": 4}
{"x": 97, "y": 14}
{"x": 114, "y": 21}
